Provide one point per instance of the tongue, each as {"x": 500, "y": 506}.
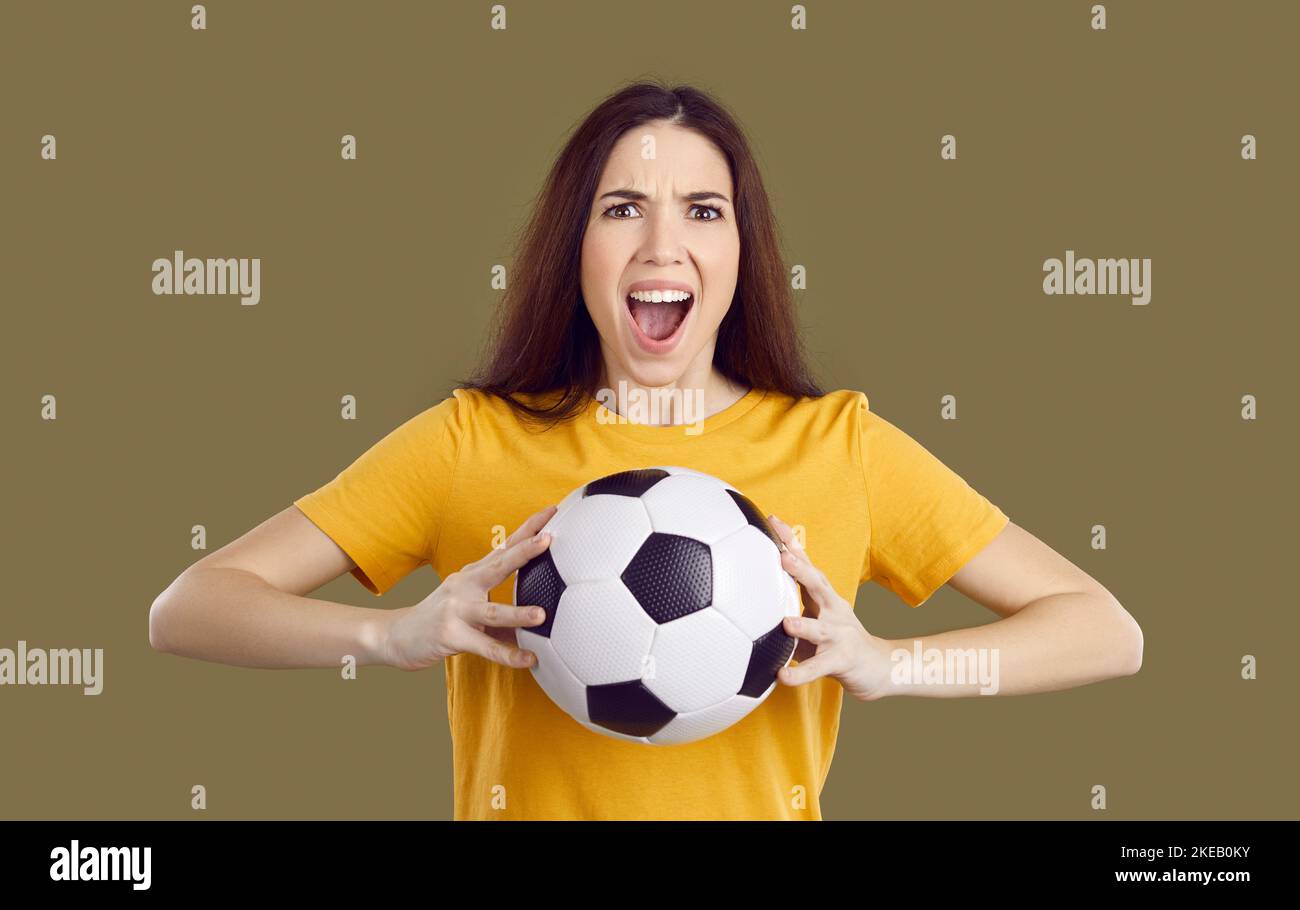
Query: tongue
{"x": 659, "y": 320}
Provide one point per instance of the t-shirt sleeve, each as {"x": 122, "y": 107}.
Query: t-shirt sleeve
{"x": 926, "y": 521}
{"x": 384, "y": 509}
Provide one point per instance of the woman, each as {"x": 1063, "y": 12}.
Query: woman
{"x": 657, "y": 190}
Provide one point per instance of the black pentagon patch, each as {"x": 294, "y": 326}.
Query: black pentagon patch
{"x": 755, "y": 517}
{"x": 670, "y": 576}
{"x": 627, "y": 707}
{"x": 626, "y": 483}
{"x": 539, "y": 583}
{"x": 771, "y": 651}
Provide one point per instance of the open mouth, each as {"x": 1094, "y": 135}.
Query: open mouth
{"x": 659, "y": 320}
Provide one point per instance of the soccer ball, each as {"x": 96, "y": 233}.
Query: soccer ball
{"x": 665, "y": 599}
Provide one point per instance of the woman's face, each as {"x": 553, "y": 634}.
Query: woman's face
{"x": 662, "y": 218}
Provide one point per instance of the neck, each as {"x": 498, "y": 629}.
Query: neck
{"x": 695, "y": 395}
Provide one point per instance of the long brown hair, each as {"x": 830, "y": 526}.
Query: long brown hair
{"x": 543, "y": 339}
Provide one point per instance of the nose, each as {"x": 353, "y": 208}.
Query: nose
{"x": 662, "y": 242}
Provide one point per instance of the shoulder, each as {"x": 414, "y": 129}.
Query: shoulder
{"x": 837, "y": 400}
{"x": 838, "y": 408}
{"x": 475, "y": 407}
{"x": 477, "y": 398}
{"x": 475, "y": 403}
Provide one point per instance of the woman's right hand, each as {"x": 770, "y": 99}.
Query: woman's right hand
{"x": 457, "y": 616}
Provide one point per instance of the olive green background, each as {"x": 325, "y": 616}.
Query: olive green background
{"x": 925, "y": 280}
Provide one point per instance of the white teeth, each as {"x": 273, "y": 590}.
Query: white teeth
{"x": 660, "y": 296}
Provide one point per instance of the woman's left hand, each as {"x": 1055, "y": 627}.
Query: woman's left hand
{"x": 831, "y": 641}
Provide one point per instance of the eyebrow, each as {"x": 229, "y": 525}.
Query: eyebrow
{"x": 697, "y": 196}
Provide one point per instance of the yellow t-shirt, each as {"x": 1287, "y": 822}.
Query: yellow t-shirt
{"x": 447, "y": 484}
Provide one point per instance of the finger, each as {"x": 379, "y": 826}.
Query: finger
{"x": 807, "y": 628}
{"x": 808, "y": 670}
{"x": 484, "y": 645}
{"x": 532, "y": 524}
{"x": 498, "y": 565}
{"x": 790, "y": 541}
{"x": 812, "y": 579}
{"x": 791, "y": 538}
{"x": 798, "y": 551}
{"x": 491, "y": 613}
{"x": 784, "y": 531}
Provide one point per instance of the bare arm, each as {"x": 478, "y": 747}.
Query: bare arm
{"x": 244, "y": 603}
{"x": 1060, "y": 627}
{"x": 235, "y": 617}
{"x": 1056, "y": 642}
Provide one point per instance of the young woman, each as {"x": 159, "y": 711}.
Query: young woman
{"x": 656, "y": 190}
